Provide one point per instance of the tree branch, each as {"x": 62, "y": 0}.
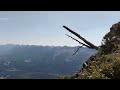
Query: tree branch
{"x": 80, "y": 37}
{"x": 78, "y": 41}
{"x": 77, "y": 50}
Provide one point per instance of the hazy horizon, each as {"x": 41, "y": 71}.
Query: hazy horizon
{"x": 41, "y": 45}
{"x": 46, "y": 27}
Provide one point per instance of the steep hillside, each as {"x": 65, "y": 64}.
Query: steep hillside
{"x": 106, "y": 63}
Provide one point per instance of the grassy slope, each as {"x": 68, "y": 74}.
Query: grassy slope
{"x": 106, "y": 63}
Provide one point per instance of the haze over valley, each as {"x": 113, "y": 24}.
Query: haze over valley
{"x": 40, "y": 62}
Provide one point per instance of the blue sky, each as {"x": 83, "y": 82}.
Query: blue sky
{"x": 46, "y": 27}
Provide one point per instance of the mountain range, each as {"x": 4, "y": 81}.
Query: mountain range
{"x": 40, "y": 62}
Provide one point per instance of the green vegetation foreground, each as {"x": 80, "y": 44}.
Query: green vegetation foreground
{"x": 106, "y": 63}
